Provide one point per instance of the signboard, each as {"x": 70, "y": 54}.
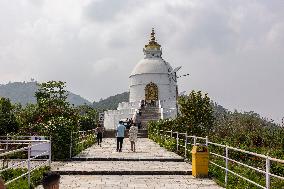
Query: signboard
{"x": 40, "y": 148}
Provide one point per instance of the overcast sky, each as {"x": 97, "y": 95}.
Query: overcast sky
{"x": 232, "y": 49}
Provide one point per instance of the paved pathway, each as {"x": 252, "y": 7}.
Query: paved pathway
{"x": 135, "y": 182}
{"x": 150, "y": 167}
{"x": 145, "y": 149}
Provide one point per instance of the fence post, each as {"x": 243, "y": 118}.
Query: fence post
{"x": 70, "y": 150}
{"x": 177, "y": 141}
{"x": 267, "y": 173}
{"x": 206, "y": 141}
{"x": 171, "y": 133}
{"x": 185, "y": 145}
{"x": 49, "y": 160}
{"x": 7, "y": 142}
{"x": 29, "y": 164}
{"x": 226, "y": 171}
{"x": 194, "y": 140}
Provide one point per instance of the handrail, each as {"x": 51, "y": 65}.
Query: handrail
{"x": 227, "y": 159}
{"x": 82, "y": 138}
{"x": 29, "y": 158}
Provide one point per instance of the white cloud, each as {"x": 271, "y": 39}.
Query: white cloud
{"x": 231, "y": 49}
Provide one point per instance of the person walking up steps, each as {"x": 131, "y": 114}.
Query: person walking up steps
{"x": 133, "y": 131}
{"x": 120, "y": 130}
{"x": 99, "y": 131}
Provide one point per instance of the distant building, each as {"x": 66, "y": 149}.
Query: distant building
{"x": 153, "y": 89}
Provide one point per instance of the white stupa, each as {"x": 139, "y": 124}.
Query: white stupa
{"x": 153, "y": 81}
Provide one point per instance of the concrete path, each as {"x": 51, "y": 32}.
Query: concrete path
{"x": 135, "y": 182}
{"x": 146, "y": 149}
{"x": 150, "y": 167}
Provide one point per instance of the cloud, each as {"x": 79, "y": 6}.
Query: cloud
{"x": 232, "y": 49}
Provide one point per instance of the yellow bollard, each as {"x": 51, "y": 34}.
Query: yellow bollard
{"x": 200, "y": 161}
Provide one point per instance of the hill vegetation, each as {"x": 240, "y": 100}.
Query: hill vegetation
{"x": 247, "y": 131}
{"x": 51, "y": 115}
{"x": 24, "y": 93}
{"x": 111, "y": 102}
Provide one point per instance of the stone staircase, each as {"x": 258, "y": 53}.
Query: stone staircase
{"x": 151, "y": 166}
{"x": 142, "y": 133}
{"x": 149, "y": 114}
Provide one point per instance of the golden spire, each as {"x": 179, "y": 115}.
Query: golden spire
{"x": 152, "y": 45}
{"x": 153, "y": 35}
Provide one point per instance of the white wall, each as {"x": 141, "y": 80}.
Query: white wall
{"x": 112, "y": 117}
{"x": 166, "y": 87}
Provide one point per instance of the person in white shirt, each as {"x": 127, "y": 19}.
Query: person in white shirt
{"x": 133, "y": 131}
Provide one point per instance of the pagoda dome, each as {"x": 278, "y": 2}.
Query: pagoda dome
{"x": 152, "y": 65}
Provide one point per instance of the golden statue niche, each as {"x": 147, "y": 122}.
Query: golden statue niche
{"x": 151, "y": 92}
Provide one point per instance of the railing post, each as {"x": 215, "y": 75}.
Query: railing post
{"x": 177, "y": 141}
{"x": 49, "y": 156}
{"x": 29, "y": 164}
{"x": 70, "y": 150}
{"x": 206, "y": 141}
{"x": 7, "y": 147}
{"x": 194, "y": 140}
{"x": 185, "y": 145}
{"x": 226, "y": 170}
{"x": 267, "y": 173}
{"x": 171, "y": 133}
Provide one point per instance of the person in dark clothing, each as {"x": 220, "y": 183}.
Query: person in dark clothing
{"x": 50, "y": 180}
{"x": 99, "y": 131}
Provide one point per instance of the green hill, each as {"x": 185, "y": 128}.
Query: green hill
{"x": 24, "y": 93}
{"x": 111, "y": 102}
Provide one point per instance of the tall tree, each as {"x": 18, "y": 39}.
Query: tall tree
{"x": 8, "y": 123}
{"x": 197, "y": 112}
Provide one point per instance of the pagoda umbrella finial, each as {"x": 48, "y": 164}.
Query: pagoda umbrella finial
{"x": 153, "y": 45}
{"x": 153, "y": 35}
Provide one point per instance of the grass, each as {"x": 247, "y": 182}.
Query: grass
{"x": 22, "y": 183}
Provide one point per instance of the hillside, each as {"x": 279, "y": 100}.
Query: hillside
{"x": 111, "y": 102}
{"x": 24, "y": 93}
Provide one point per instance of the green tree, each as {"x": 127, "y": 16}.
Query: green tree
{"x": 88, "y": 117}
{"x": 197, "y": 113}
{"x": 55, "y": 117}
{"x": 8, "y": 122}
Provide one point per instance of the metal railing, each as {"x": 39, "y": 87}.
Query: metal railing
{"x": 82, "y": 137}
{"x": 268, "y": 159}
{"x": 26, "y": 146}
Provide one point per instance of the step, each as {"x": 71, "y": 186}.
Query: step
{"x": 121, "y": 168}
{"x": 150, "y": 116}
{"x": 145, "y": 149}
{"x": 135, "y": 182}
{"x": 124, "y": 172}
{"x": 112, "y": 133}
{"x": 126, "y": 159}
